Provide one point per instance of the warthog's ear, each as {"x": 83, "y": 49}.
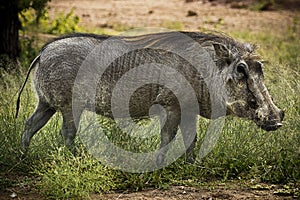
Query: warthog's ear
{"x": 222, "y": 51}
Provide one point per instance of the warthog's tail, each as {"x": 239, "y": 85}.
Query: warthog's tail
{"x": 22, "y": 88}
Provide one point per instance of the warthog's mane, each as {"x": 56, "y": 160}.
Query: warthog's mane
{"x": 75, "y": 35}
{"x": 236, "y": 48}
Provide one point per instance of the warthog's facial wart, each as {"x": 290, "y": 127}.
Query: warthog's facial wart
{"x": 248, "y": 97}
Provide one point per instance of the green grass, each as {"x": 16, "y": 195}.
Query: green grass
{"x": 173, "y": 25}
{"x": 243, "y": 151}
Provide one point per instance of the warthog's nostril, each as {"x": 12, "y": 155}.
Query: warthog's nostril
{"x": 281, "y": 114}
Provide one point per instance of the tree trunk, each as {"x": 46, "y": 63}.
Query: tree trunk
{"x": 9, "y": 30}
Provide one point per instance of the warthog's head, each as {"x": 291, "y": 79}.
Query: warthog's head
{"x": 247, "y": 95}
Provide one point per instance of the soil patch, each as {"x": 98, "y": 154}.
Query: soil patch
{"x": 174, "y": 14}
{"x": 191, "y": 193}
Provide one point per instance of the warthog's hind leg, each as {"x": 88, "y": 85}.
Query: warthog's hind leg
{"x": 38, "y": 119}
{"x": 68, "y": 129}
{"x": 189, "y": 134}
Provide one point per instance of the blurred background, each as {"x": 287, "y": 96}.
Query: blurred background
{"x": 28, "y": 17}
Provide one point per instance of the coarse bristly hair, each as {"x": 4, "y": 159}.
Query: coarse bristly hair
{"x": 236, "y": 48}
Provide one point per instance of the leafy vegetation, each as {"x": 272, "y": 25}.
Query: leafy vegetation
{"x": 61, "y": 24}
{"x": 243, "y": 151}
{"x": 10, "y": 26}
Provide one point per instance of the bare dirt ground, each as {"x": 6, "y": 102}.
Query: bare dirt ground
{"x": 193, "y": 16}
{"x": 192, "y": 193}
{"x": 231, "y": 190}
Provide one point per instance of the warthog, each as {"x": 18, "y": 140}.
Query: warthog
{"x": 238, "y": 71}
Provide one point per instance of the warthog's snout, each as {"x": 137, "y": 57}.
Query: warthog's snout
{"x": 271, "y": 122}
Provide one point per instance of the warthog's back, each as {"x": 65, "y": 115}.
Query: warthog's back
{"x": 61, "y": 59}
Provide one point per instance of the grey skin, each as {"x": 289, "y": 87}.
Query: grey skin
{"x": 241, "y": 75}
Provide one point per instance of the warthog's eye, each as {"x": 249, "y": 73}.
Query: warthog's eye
{"x": 241, "y": 70}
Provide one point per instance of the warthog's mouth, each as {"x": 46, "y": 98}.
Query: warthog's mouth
{"x": 270, "y": 124}
{"x": 270, "y": 127}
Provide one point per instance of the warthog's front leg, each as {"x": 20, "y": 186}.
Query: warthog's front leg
{"x": 168, "y": 133}
{"x": 189, "y": 133}
{"x": 68, "y": 130}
